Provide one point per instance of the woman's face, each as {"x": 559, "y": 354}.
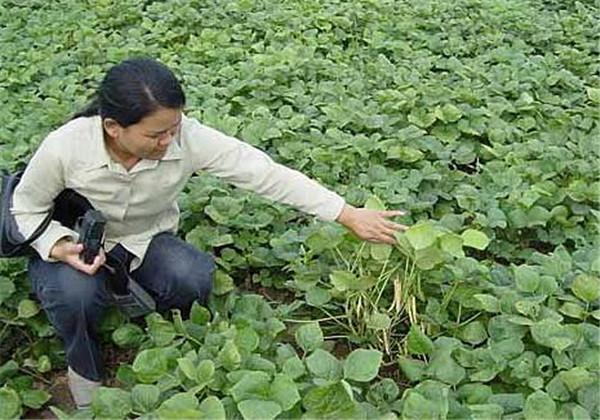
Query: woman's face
{"x": 147, "y": 139}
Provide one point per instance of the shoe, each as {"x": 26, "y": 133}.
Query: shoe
{"x": 82, "y": 389}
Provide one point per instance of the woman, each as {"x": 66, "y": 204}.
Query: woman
{"x": 130, "y": 154}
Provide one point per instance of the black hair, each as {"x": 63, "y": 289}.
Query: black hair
{"x": 134, "y": 89}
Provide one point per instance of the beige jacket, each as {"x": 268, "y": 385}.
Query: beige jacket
{"x": 142, "y": 202}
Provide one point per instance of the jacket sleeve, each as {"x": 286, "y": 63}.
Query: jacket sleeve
{"x": 33, "y": 197}
{"x": 249, "y": 168}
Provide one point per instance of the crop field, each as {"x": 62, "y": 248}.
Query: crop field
{"x": 480, "y": 118}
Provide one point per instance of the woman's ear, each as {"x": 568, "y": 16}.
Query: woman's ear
{"x": 112, "y": 128}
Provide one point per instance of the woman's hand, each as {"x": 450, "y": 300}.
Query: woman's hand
{"x": 68, "y": 252}
{"x": 371, "y": 225}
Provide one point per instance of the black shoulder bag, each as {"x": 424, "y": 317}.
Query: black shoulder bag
{"x": 12, "y": 242}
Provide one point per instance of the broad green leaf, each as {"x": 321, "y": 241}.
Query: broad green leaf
{"x": 212, "y": 408}
{"x": 378, "y": 321}
{"x": 183, "y": 405}
{"x": 199, "y": 315}
{"x": 374, "y": 203}
{"x": 486, "y": 411}
{"x": 34, "y": 398}
{"x": 586, "y": 287}
{"x": 27, "y": 308}
{"x": 284, "y": 391}
{"x": 229, "y": 356}
{"x": 309, "y": 337}
{"x": 246, "y": 339}
{"x": 332, "y": 401}
{"x": 474, "y": 332}
{"x": 527, "y": 278}
{"x": 405, "y": 154}
{"x": 8, "y": 369}
{"x": 452, "y": 244}
{"x": 317, "y": 296}
{"x": 259, "y": 409}
{"x": 223, "y": 283}
{"x": 487, "y": 303}
{"x": 428, "y": 258}
{"x": 10, "y": 403}
{"x": 149, "y": 365}
{"x": 475, "y": 239}
{"x": 593, "y": 94}
{"x": 187, "y": 367}
{"x": 144, "y": 397}
{"x": 539, "y": 405}
{"x": 160, "y": 330}
{"x": 345, "y": 280}
{"x": 253, "y": 385}
{"x": 552, "y": 334}
{"x": 111, "y": 403}
{"x": 380, "y": 252}
{"x": 128, "y": 335}
{"x": 413, "y": 369}
{"x": 422, "y": 235}
{"x": 474, "y": 393}
{"x": 448, "y": 113}
{"x": 7, "y": 288}
{"x": 323, "y": 364}
{"x": 576, "y": 378}
{"x": 362, "y": 365}
{"x": 418, "y": 342}
{"x": 293, "y": 367}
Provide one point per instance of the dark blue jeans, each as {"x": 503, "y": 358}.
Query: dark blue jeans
{"x": 173, "y": 272}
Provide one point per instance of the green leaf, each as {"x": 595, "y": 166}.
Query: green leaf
{"x": 474, "y": 333}
{"x": 27, "y": 308}
{"x": 128, "y": 335}
{"x": 253, "y": 385}
{"x": 258, "y": 409}
{"x": 452, "y": 244}
{"x": 199, "y": 315}
{"x": 405, "y": 154}
{"x": 293, "y": 367}
{"x": 418, "y": 342}
{"x": 345, "y": 280}
{"x": 539, "y": 405}
{"x": 212, "y": 408}
{"x": 223, "y": 283}
{"x": 34, "y": 398}
{"x": 285, "y": 392}
{"x": 43, "y": 364}
{"x": 150, "y": 365}
{"x": 378, "y": 321}
{"x": 246, "y": 339}
{"x": 593, "y": 94}
{"x": 183, "y": 405}
{"x": 362, "y": 365}
{"x": 422, "y": 235}
{"x": 487, "y": 303}
{"x": 586, "y": 287}
{"x": 317, "y": 296}
{"x": 229, "y": 356}
{"x": 527, "y": 278}
{"x": 111, "y": 403}
{"x": 332, "y": 401}
{"x": 413, "y": 369}
{"x": 309, "y": 337}
{"x": 7, "y": 288}
{"x": 448, "y": 113}
{"x": 160, "y": 330}
{"x": 10, "y": 403}
{"x": 576, "y": 378}
{"x": 323, "y": 364}
{"x": 551, "y": 334}
{"x": 475, "y": 239}
{"x": 144, "y": 397}
{"x": 187, "y": 367}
